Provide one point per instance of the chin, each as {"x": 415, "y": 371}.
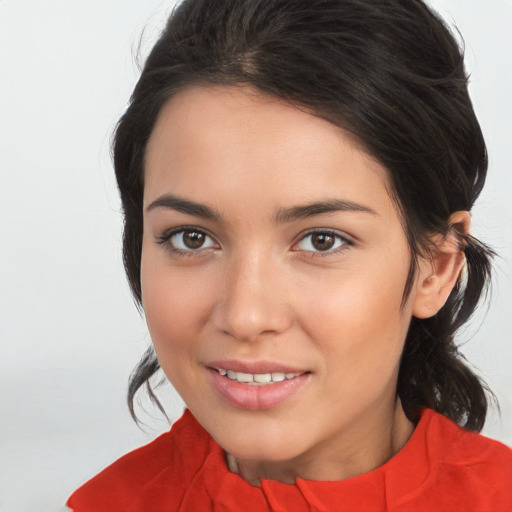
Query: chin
{"x": 260, "y": 443}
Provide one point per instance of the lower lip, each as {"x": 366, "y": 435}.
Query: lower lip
{"x": 256, "y": 397}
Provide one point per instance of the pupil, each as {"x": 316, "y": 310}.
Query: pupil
{"x": 193, "y": 239}
{"x": 323, "y": 242}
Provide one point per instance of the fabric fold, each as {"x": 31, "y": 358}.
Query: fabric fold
{"x": 442, "y": 467}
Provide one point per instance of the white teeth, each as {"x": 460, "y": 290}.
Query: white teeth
{"x": 263, "y": 378}
{"x": 257, "y": 378}
{"x": 245, "y": 377}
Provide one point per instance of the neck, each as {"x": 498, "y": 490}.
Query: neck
{"x": 369, "y": 443}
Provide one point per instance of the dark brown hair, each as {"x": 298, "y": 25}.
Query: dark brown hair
{"x": 390, "y": 72}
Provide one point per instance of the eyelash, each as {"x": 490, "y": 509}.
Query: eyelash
{"x": 346, "y": 242}
{"x": 165, "y": 239}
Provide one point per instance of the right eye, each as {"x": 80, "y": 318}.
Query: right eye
{"x": 187, "y": 240}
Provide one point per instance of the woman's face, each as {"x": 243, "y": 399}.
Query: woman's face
{"x": 273, "y": 268}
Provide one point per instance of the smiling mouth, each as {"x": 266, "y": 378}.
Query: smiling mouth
{"x": 257, "y": 379}
{"x": 256, "y": 385}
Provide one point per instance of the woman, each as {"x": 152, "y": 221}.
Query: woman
{"x": 296, "y": 179}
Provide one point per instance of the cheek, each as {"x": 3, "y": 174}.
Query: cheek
{"x": 175, "y": 305}
{"x": 360, "y": 332}
{"x": 362, "y": 322}
{"x": 174, "y": 308}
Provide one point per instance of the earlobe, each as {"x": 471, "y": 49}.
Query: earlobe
{"x": 439, "y": 274}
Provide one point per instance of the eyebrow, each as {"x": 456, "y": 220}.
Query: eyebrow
{"x": 319, "y": 208}
{"x": 282, "y": 216}
{"x": 184, "y": 206}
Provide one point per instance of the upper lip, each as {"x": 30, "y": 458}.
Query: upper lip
{"x": 254, "y": 367}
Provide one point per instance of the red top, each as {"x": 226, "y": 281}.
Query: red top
{"x": 441, "y": 468}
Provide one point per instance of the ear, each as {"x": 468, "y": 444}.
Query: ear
{"x": 438, "y": 274}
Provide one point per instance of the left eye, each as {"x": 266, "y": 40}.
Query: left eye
{"x": 321, "y": 241}
{"x": 190, "y": 240}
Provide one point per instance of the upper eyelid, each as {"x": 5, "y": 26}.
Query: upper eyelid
{"x": 164, "y": 239}
{"x": 347, "y": 243}
{"x": 168, "y": 233}
{"x": 330, "y": 231}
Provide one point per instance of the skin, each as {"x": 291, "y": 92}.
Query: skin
{"x": 258, "y": 289}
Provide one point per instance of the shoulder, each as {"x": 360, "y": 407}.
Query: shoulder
{"x": 456, "y": 445}
{"x": 119, "y": 485}
{"x": 467, "y": 469}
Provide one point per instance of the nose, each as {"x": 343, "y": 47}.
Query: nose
{"x": 253, "y": 301}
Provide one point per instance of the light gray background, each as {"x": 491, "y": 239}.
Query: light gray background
{"x": 69, "y": 332}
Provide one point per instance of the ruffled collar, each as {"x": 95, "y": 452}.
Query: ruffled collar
{"x": 399, "y": 480}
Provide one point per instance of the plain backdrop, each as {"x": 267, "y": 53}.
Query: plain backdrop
{"x": 69, "y": 331}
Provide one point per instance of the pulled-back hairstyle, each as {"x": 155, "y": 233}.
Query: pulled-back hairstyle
{"x": 389, "y": 72}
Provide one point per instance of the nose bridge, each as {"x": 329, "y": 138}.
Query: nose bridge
{"x": 254, "y": 299}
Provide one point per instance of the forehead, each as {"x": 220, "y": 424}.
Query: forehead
{"x": 247, "y": 144}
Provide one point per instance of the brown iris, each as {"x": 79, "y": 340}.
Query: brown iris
{"x": 322, "y": 241}
{"x": 193, "y": 239}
